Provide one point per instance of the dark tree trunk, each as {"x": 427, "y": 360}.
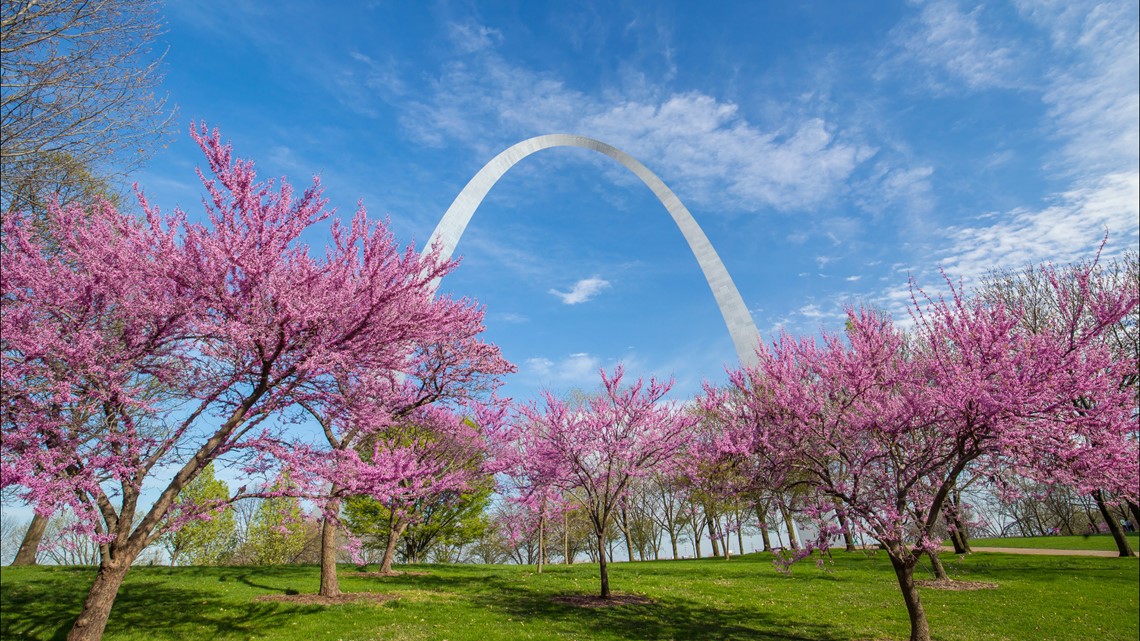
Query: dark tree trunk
{"x": 566, "y": 540}
{"x": 97, "y": 607}
{"x": 956, "y": 539}
{"x": 762, "y": 518}
{"x": 330, "y": 586}
{"x": 626, "y": 531}
{"x": 1122, "y": 544}
{"x": 31, "y": 543}
{"x": 740, "y": 538}
{"x": 713, "y": 535}
{"x": 848, "y": 540}
{"x": 788, "y": 523}
{"x": 602, "y": 565}
{"x": 541, "y": 543}
{"x": 904, "y": 571}
{"x": 939, "y": 569}
{"x": 1135, "y": 509}
{"x": 390, "y": 551}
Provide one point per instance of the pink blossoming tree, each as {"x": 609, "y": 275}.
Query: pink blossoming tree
{"x": 133, "y": 346}
{"x": 384, "y": 443}
{"x": 882, "y": 424}
{"x": 593, "y": 452}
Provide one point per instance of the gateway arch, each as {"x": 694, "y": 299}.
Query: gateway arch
{"x": 743, "y": 330}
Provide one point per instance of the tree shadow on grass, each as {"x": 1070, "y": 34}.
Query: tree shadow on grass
{"x": 667, "y": 617}
{"x": 46, "y": 607}
{"x": 662, "y": 618}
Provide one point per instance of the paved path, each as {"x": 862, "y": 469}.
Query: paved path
{"x": 947, "y": 548}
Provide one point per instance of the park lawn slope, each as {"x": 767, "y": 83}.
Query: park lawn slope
{"x": 853, "y": 597}
{"x": 1092, "y": 542}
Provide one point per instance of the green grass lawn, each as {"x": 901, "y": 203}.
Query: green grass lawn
{"x": 855, "y": 597}
{"x": 1093, "y": 542}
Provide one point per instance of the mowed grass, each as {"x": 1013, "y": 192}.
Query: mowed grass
{"x": 853, "y": 597}
{"x": 1092, "y": 542}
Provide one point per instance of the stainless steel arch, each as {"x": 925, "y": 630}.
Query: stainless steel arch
{"x": 740, "y": 326}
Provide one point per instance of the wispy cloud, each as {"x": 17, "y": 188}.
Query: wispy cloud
{"x": 470, "y": 37}
{"x": 582, "y": 290}
{"x": 698, "y": 143}
{"x": 579, "y": 369}
{"x": 1094, "y": 103}
{"x": 952, "y": 49}
{"x": 1068, "y": 229}
{"x": 1092, "y": 99}
{"x": 811, "y": 311}
{"x": 510, "y": 317}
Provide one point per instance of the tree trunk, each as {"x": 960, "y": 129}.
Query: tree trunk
{"x": 788, "y": 523}
{"x": 390, "y": 551}
{"x": 1135, "y": 509}
{"x": 97, "y": 607}
{"x": 541, "y": 541}
{"x": 673, "y": 542}
{"x": 1122, "y": 544}
{"x": 956, "y": 540}
{"x": 566, "y": 539}
{"x": 764, "y": 537}
{"x": 330, "y": 586}
{"x": 602, "y": 565}
{"x": 713, "y": 535}
{"x": 963, "y": 534}
{"x": 697, "y": 546}
{"x": 959, "y": 535}
{"x": 848, "y": 540}
{"x": 740, "y": 537}
{"x": 626, "y": 531}
{"x": 939, "y": 569}
{"x": 904, "y": 571}
{"x": 960, "y": 544}
{"x": 31, "y": 543}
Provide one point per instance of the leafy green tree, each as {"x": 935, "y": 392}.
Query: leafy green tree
{"x": 207, "y": 541}
{"x": 276, "y": 533}
{"x": 453, "y": 519}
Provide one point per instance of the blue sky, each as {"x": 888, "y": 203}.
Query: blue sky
{"x": 830, "y": 150}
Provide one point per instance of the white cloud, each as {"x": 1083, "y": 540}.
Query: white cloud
{"x": 1069, "y": 229}
{"x": 469, "y": 37}
{"x": 703, "y": 147}
{"x": 510, "y": 317}
{"x": 582, "y": 291}
{"x": 811, "y": 311}
{"x": 576, "y": 369}
{"x": 1093, "y": 99}
{"x": 952, "y": 46}
{"x": 1092, "y": 96}
{"x": 723, "y": 158}
{"x": 1095, "y": 103}
{"x": 907, "y": 189}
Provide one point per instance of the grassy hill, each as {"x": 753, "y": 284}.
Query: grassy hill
{"x": 852, "y": 597}
{"x": 1093, "y": 542}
